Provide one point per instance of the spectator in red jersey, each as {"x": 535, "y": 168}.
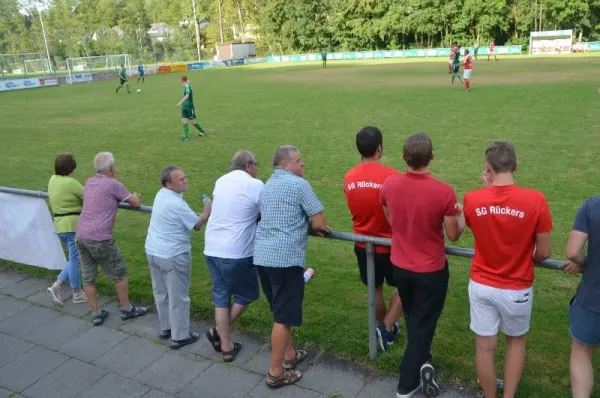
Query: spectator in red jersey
{"x": 419, "y": 207}
{"x": 511, "y": 226}
{"x": 362, "y": 185}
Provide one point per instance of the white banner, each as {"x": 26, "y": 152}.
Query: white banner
{"x": 27, "y": 232}
{"x": 79, "y": 78}
{"x": 48, "y": 81}
{"x": 19, "y": 84}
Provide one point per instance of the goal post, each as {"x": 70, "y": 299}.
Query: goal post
{"x": 105, "y": 67}
{"x": 551, "y": 42}
{"x": 37, "y": 66}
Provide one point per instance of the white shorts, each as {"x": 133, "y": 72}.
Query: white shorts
{"x": 493, "y": 308}
{"x": 450, "y": 61}
{"x": 467, "y": 73}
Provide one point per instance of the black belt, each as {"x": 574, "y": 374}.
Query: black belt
{"x": 75, "y": 213}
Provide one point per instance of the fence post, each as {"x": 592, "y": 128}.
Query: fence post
{"x": 371, "y": 303}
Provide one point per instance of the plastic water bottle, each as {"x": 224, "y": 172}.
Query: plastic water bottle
{"x": 205, "y": 199}
{"x": 308, "y": 274}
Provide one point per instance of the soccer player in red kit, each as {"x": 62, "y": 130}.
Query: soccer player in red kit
{"x": 362, "y": 185}
{"x": 491, "y": 50}
{"x": 511, "y": 226}
{"x": 468, "y": 68}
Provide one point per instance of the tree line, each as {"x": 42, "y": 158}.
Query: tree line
{"x": 102, "y": 27}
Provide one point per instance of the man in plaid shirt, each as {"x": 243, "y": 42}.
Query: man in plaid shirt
{"x": 288, "y": 207}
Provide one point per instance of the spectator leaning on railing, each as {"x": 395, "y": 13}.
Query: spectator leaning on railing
{"x": 511, "y": 226}
{"x": 101, "y": 197}
{"x": 362, "y": 186}
{"x": 229, "y": 246}
{"x": 584, "y": 309}
{"x": 419, "y": 207}
{"x": 65, "y": 195}
{"x": 288, "y": 207}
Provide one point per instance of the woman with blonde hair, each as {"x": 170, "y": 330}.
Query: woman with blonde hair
{"x": 65, "y": 195}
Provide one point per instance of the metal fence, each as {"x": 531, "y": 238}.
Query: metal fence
{"x": 370, "y": 241}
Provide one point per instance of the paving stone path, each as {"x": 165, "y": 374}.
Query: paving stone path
{"x": 50, "y": 351}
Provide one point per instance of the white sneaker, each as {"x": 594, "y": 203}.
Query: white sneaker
{"x": 79, "y": 297}
{"x": 428, "y": 385}
{"x": 408, "y": 395}
{"x": 54, "y": 292}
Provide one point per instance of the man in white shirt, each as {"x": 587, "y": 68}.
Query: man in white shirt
{"x": 229, "y": 246}
{"x": 168, "y": 248}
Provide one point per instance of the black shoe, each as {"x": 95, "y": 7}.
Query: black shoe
{"x": 428, "y": 384}
{"x": 192, "y": 338}
{"x": 97, "y": 320}
{"x": 135, "y": 312}
{"x": 165, "y": 334}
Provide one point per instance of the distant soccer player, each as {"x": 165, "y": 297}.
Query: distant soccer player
{"x": 324, "y": 58}
{"x": 123, "y": 79}
{"x": 456, "y": 64}
{"x": 188, "y": 114}
{"x": 468, "y": 68}
{"x": 451, "y": 58}
{"x": 491, "y": 50}
{"x": 140, "y": 73}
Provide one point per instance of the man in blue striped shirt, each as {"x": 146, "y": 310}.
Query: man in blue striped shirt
{"x": 288, "y": 207}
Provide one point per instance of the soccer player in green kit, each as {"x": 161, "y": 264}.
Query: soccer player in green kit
{"x": 456, "y": 64}
{"x": 123, "y": 78}
{"x": 188, "y": 114}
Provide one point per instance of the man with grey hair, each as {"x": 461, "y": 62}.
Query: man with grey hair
{"x": 168, "y": 249}
{"x": 101, "y": 197}
{"x": 288, "y": 207}
{"x": 228, "y": 248}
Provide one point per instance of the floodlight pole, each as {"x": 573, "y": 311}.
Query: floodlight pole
{"x": 197, "y": 30}
{"x": 45, "y": 41}
{"x": 220, "y": 21}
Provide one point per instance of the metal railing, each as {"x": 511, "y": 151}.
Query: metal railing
{"x": 369, "y": 241}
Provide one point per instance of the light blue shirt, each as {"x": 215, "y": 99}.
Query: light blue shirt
{"x": 171, "y": 224}
{"x": 286, "y": 202}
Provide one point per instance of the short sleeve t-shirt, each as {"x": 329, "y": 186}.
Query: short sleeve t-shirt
{"x": 101, "y": 198}
{"x": 65, "y": 195}
{"x": 505, "y": 221}
{"x": 417, "y": 204}
{"x": 588, "y": 222}
{"x": 362, "y": 186}
{"x": 123, "y": 74}
{"x": 188, "y": 103}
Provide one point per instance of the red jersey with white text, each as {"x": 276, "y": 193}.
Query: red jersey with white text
{"x": 505, "y": 221}
{"x": 469, "y": 62}
{"x": 492, "y": 45}
{"x": 417, "y": 204}
{"x": 362, "y": 185}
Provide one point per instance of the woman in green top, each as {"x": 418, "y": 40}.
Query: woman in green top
{"x": 66, "y": 199}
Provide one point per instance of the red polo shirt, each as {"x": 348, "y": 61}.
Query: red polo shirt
{"x": 417, "y": 205}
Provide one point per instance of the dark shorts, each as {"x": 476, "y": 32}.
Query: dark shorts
{"x": 103, "y": 253}
{"x": 284, "y": 290}
{"x": 123, "y": 81}
{"x": 584, "y": 324}
{"x": 232, "y": 277}
{"x": 141, "y": 74}
{"x": 384, "y": 269}
{"x": 188, "y": 113}
{"x": 455, "y": 68}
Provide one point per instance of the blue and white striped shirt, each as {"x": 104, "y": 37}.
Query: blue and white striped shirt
{"x": 286, "y": 202}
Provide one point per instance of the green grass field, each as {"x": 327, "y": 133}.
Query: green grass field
{"x": 547, "y": 107}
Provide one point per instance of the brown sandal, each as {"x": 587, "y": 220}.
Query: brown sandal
{"x": 291, "y": 363}
{"x": 287, "y": 378}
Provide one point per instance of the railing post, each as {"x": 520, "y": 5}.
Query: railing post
{"x": 371, "y": 300}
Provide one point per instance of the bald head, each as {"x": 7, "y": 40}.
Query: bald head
{"x": 241, "y": 159}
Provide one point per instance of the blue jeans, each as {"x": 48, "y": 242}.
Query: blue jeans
{"x": 71, "y": 270}
{"x": 232, "y": 277}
